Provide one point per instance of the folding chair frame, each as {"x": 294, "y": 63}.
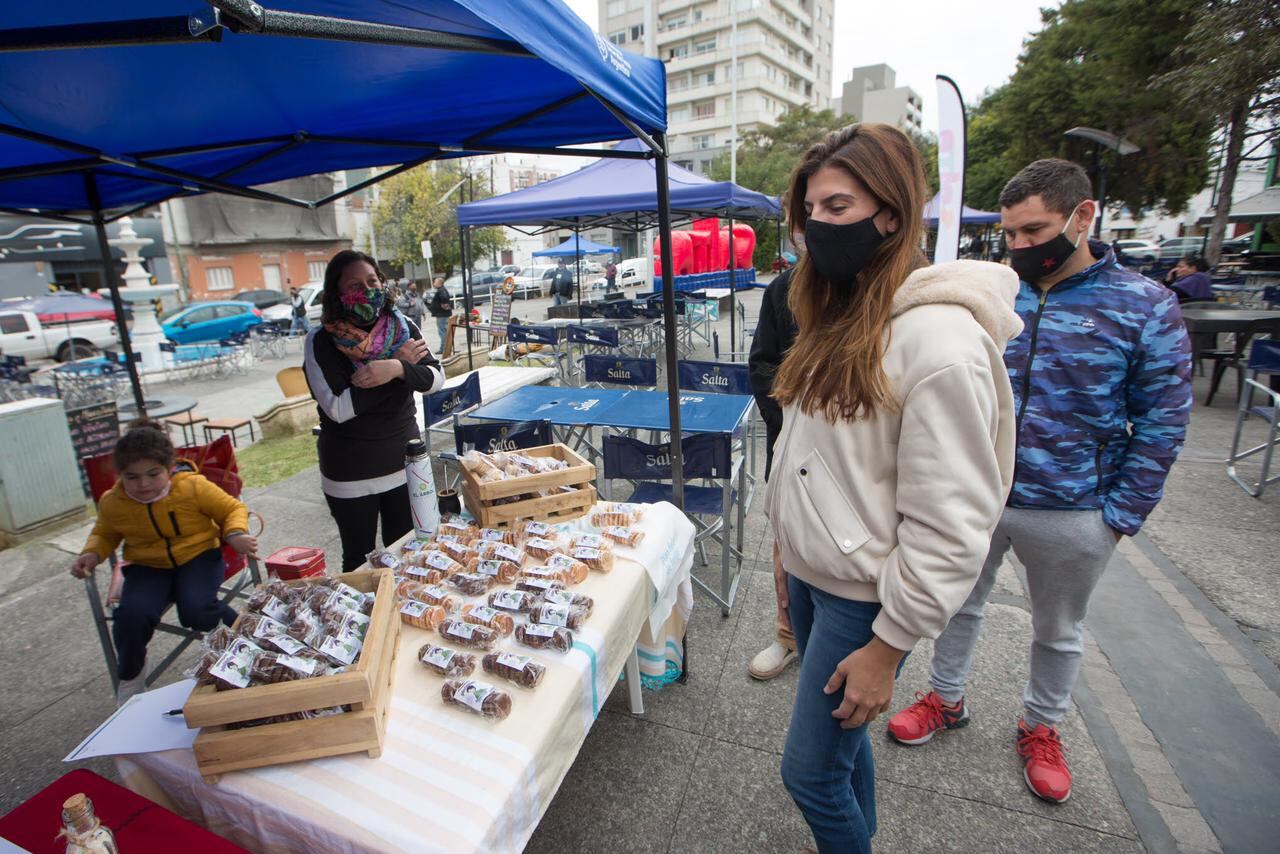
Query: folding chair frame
{"x": 1267, "y": 448}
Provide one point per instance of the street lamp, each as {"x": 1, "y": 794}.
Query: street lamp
{"x": 1101, "y": 139}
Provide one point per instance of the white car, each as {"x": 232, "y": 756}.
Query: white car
{"x": 22, "y": 334}
{"x": 535, "y": 281}
{"x": 635, "y": 273}
{"x": 282, "y": 315}
{"x": 1145, "y": 251}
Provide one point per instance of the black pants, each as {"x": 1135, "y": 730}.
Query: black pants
{"x": 357, "y": 520}
{"x": 193, "y": 587}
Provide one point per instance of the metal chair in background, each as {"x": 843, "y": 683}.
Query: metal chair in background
{"x": 1263, "y": 359}
{"x": 547, "y": 337}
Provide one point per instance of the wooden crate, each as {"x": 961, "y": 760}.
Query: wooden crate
{"x": 365, "y": 687}
{"x": 579, "y": 471}
{"x": 553, "y": 508}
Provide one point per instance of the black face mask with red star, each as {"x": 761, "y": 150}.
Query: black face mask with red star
{"x": 1033, "y": 263}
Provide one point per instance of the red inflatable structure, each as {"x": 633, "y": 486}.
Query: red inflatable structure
{"x": 704, "y": 248}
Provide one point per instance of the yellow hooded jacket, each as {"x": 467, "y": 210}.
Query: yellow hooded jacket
{"x": 194, "y": 517}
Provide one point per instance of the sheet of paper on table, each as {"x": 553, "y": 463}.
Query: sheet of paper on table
{"x": 141, "y": 726}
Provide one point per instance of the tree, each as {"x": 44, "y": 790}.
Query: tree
{"x": 422, "y": 204}
{"x": 1091, "y": 65}
{"x": 1229, "y": 69}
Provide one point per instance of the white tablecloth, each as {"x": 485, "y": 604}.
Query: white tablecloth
{"x": 448, "y": 780}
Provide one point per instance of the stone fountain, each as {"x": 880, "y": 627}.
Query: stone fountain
{"x": 145, "y": 334}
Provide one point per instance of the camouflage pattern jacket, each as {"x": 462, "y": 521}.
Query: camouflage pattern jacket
{"x": 1101, "y": 380}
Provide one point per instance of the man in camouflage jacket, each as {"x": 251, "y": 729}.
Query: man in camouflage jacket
{"x": 1101, "y": 378}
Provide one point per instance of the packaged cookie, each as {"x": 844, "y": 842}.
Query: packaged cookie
{"x": 477, "y": 462}
{"x": 267, "y": 601}
{"x": 629, "y": 537}
{"x": 513, "y": 601}
{"x": 471, "y": 583}
{"x": 480, "y": 697}
{"x": 520, "y": 669}
{"x": 231, "y": 667}
{"x": 599, "y": 560}
{"x": 545, "y": 573}
{"x": 445, "y": 661}
{"x": 590, "y": 541}
{"x": 381, "y": 559}
{"x": 455, "y": 526}
{"x": 542, "y": 548}
{"x": 459, "y": 551}
{"x": 578, "y": 571}
{"x": 491, "y": 550}
{"x": 304, "y": 625}
{"x": 412, "y": 547}
{"x": 552, "y": 614}
{"x": 536, "y": 583}
{"x": 271, "y": 667}
{"x": 483, "y": 615}
{"x": 560, "y": 596}
{"x": 422, "y": 615}
{"x": 503, "y": 570}
{"x": 495, "y": 535}
{"x": 468, "y": 634}
{"x": 538, "y": 529}
{"x": 611, "y": 513}
{"x": 538, "y": 636}
{"x": 432, "y": 594}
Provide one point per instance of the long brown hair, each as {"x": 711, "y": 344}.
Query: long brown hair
{"x": 834, "y": 368}
{"x": 331, "y": 299}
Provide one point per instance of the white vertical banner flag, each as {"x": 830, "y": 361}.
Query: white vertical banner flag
{"x": 951, "y": 143}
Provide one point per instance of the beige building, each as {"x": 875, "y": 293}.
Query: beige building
{"x": 784, "y": 61}
{"x": 869, "y": 95}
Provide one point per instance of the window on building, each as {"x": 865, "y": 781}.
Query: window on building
{"x": 619, "y": 37}
{"x": 704, "y": 45}
{"x": 685, "y": 164}
{"x": 637, "y": 32}
{"x": 315, "y": 270}
{"x": 702, "y": 141}
{"x": 678, "y": 83}
{"x": 678, "y": 114}
{"x": 617, "y": 7}
{"x": 219, "y": 279}
{"x": 705, "y": 77}
{"x": 11, "y": 324}
{"x": 680, "y": 51}
{"x": 675, "y": 22}
{"x": 704, "y": 110}
{"x": 697, "y": 15}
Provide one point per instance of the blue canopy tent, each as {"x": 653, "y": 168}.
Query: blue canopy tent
{"x": 237, "y": 95}
{"x": 622, "y": 194}
{"x": 576, "y": 247}
{"x": 968, "y": 215}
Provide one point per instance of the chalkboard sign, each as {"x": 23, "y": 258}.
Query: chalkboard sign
{"x": 94, "y": 430}
{"x": 500, "y": 315}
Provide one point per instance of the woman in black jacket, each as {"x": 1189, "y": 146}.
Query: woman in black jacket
{"x": 363, "y": 366}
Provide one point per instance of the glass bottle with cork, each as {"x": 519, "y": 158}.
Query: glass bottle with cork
{"x": 84, "y": 833}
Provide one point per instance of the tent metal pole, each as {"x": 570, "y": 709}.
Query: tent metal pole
{"x": 524, "y": 117}
{"x": 466, "y": 290}
{"x": 779, "y": 245}
{"x": 669, "y": 322}
{"x": 49, "y": 216}
{"x": 577, "y": 268}
{"x": 113, "y": 285}
{"x": 733, "y": 305}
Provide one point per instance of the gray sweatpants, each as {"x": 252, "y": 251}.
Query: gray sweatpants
{"x": 1064, "y": 552}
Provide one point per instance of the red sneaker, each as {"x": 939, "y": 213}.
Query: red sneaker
{"x": 917, "y": 723}
{"x": 1045, "y": 768}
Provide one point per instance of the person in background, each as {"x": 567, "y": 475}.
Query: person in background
{"x": 298, "y": 320}
{"x": 410, "y": 303}
{"x": 610, "y": 276}
{"x": 895, "y": 457}
{"x": 1189, "y": 279}
{"x": 364, "y": 368}
{"x": 173, "y": 523}
{"x": 561, "y": 284}
{"x": 1102, "y": 378}
{"x": 775, "y": 332}
{"x": 441, "y": 308}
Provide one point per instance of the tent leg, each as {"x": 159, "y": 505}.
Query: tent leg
{"x": 466, "y": 290}
{"x": 669, "y": 321}
{"x": 733, "y": 291}
{"x": 109, "y": 271}
{"x": 779, "y": 245}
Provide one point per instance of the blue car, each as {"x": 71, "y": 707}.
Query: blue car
{"x": 209, "y": 321}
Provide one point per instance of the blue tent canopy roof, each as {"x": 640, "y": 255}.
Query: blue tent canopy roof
{"x": 968, "y": 215}
{"x": 159, "y": 119}
{"x": 574, "y": 246}
{"x": 620, "y": 193}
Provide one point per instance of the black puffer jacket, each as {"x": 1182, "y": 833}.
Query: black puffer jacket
{"x": 775, "y": 332}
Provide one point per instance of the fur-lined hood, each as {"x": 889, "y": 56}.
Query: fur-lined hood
{"x": 987, "y": 290}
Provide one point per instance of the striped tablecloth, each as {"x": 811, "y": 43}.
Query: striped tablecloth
{"x": 448, "y": 780}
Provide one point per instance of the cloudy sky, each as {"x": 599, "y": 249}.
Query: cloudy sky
{"x": 976, "y": 44}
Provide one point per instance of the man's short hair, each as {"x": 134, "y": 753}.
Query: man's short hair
{"x": 1060, "y": 184}
{"x": 1196, "y": 262}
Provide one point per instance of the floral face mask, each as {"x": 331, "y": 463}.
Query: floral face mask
{"x": 365, "y": 304}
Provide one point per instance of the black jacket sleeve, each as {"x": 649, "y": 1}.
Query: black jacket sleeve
{"x": 329, "y": 375}
{"x": 775, "y": 332}
{"x": 425, "y": 376}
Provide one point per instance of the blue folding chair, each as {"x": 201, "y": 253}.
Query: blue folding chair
{"x": 724, "y": 378}
{"x": 602, "y": 371}
{"x": 1271, "y": 296}
{"x": 1263, "y": 359}
{"x": 547, "y": 336}
{"x": 707, "y": 456}
{"x": 583, "y": 340}
{"x": 490, "y": 436}
{"x": 450, "y": 403}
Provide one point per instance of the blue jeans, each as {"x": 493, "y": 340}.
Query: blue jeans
{"x": 300, "y": 322}
{"x": 442, "y": 326}
{"x": 828, "y": 770}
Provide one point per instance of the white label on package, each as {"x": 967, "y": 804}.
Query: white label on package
{"x": 441, "y": 561}
{"x": 233, "y": 665}
{"x": 537, "y": 529}
{"x": 510, "y": 659}
{"x": 414, "y": 546}
{"x": 510, "y": 599}
{"x": 440, "y": 656}
{"x": 341, "y": 649}
{"x": 304, "y": 666}
{"x": 419, "y": 571}
{"x": 463, "y": 630}
{"x": 435, "y": 591}
{"x": 354, "y": 625}
{"x": 539, "y": 583}
{"x": 492, "y": 535}
{"x": 539, "y": 544}
{"x": 267, "y": 627}
{"x": 506, "y": 552}
{"x": 483, "y": 614}
{"x": 413, "y": 608}
{"x": 489, "y": 567}
{"x": 556, "y": 615}
{"x": 285, "y": 643}
{"x": 538, "y": 630}
{"x": 590, "y": 541}
{"x": 472, "y": 694}
{"x": 561, "y": 562}
{"x": 586, "y": 554}
{"x": 275, "y": 609}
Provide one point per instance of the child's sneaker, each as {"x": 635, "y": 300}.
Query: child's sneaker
{"x": 917, "y": 723}
{"x": 128, "y": 687}
{"x": 1044, "y": 765}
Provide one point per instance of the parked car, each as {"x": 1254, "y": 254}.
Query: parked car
{"x": 635, "y": 273}
{"x": 209, "y": 321}
{"x": 1236, "y": 245}
{"x": 1141, "y": 251}
{"x": 261, "y": 298}
{"x": 1176, "y": 247}
{"x": 482, "y": 285}
{"x": 282, "y": 315}
{"x": 536, "y": 280}
{"x": 23, "y": 334}
{"x": 510, "y": 269}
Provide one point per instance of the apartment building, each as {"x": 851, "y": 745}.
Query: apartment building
{"x": 870, "y": 95}
{"x": 784, "y": 60}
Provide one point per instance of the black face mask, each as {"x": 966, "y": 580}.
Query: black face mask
{"x": 1033, "y": 263}
{"x": 839, "y": 252}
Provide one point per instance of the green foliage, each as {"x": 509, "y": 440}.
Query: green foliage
{"x": 422, "y": 204}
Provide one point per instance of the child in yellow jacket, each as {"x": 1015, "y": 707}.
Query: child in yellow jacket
{"x": 173, "y": 522}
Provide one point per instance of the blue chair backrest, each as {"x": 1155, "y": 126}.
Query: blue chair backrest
{"x": 16, "y": 361}
{"x": 1270, "y": 295}
{"x": 441, "y": 404}
{"x": 620, "y": 370}
{"x": 599, "y": 336}
{"x": 1265, "y": 356}
{"x": 520, "y": 334}
{"x": 705, "y": 455}
{"x": 715, "y": 377}
{"x": 490, "y": 436}
{"x": 618, "y": 309}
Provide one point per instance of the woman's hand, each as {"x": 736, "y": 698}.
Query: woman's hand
{"x": 780, "y": 587}
{"x": 413, "y": 351}
{"x": 243, "y": 544}
{"x": 378, "y": 372}
{"x": 867, "y": 675}
{"x": 84, "y": 565}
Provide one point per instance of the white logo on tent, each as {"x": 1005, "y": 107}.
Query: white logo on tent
{"x": 612, "y": 54}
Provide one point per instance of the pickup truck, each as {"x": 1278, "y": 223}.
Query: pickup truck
{"x": 22, "y": 334}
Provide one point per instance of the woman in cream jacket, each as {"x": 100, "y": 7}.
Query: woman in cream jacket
{"x": 894, "y": 461}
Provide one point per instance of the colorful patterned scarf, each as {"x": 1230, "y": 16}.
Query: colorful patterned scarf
{"x": 361, "y": 345}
